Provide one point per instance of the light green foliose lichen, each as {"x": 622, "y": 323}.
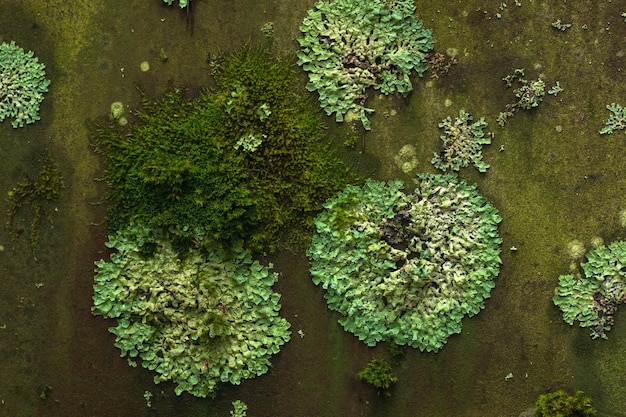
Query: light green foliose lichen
{"x": 462, "y": 143}
{"x": 195, "y": 319}
{"x": 22, "y": 84}
{"x": 181, "y": 3}
{"x": 406, "y": 267}
{"x": 350, "y": 45}
{"x": 593, "y": 299}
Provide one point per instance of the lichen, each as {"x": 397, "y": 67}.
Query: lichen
{"x": 350, "y": 45}
{"x": 22, "y": 85}
{"x": 617, "y": 121}
{"x": 406, "y": 267}
{"x": 462, "y": 143}
{"x": 592, "y": 299}
{"x": 196, "y": 319}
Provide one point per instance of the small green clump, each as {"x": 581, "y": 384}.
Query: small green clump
{"x": 617, "y": 121}
{"x": 529, "y": 94}
{"x": 560, "y": 25}
{"x": 562, "y": 404}
{"x": 34, "y": 192}
{"x": 462, "y": 143}
{"x": 239, "y": 409}
{"x": 181, "y": 3}
{"x": 379, "y": 374}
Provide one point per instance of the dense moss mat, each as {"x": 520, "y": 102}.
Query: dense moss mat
{"x": 246, "y": 161}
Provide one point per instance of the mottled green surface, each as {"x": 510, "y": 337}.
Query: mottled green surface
{"x": 550, "y": 188}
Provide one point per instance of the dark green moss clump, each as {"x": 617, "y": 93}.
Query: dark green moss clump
{"x": 379, "y": 374}
{"x": 34, "y": 193}
{"x": 561, "y": 404}
{"x": 246, "y": 161}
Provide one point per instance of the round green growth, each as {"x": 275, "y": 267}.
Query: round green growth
{"x": 406, "y": 267}
{"x": 248, "y": 160}
{"x": 117, "y": 109}
{"x": 194, "y": 319}
{"x": 34, "y": 194}
{"x": 22, "y": 84}
{"x": 379, "y": 374}
{"x": 562, "y": 404}
{"x": 350, "y": 45}
{"x": 593, "y": 299}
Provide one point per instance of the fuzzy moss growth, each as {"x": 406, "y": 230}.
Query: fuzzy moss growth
{"x": 34, "y": 192}
{"x": 561, "y": 404}
{"x": 195, "y": 319}
{"x": 378, "y": 373}
{"x": 246, "y": 161}
{"x": 406, "y": 267}
{"x": 350, "y": 45}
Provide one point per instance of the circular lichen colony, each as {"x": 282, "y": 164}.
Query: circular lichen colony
{"x": 195, "y": 319}
{"x": 593, "y": 299}
{"x": 350, "y": 45}
{"x": 406, "y": 267}
{"x": 22, "y": 84}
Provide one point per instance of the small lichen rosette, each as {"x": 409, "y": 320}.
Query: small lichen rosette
{"x": 462, "y": 143}
{"x": 196, "y": 320}
{"x": 406, "y": 267}
{"x": 22, "y": 84}
{"x": 593, "y": 299}
{"x": 350, "y": 45}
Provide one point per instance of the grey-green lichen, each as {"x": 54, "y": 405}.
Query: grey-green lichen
{"x": 196, "y": 319}
{"x": 592, "y": 299}
{"x": 22, "y": 84}
{"x": 181, "y": 3}
{"x": 350, "y": 45}
{"x": 617, "y": 121}
{"x": 529, "y": 94}
{"x": 462, "y": 143}
{"x": 406, "y": 267}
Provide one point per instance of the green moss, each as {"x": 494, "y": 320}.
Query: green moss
{"x": 34, "y": 193}
{"x": 561, "y": 404}
{"x": 379, "y": 374}
{"x": 246, "y": 161}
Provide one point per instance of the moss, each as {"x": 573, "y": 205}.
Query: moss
{"x": 34, "y": 193}
{"x": 246, "y": 161}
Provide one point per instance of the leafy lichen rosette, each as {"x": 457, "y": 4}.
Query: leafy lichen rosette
{"x": 22, "y": 84}
{"x": 350, "y": 45}
{"x": 593, "y": 299}
{"x": 462, "y": 143}
{"x": 406, "y": 267}
{"x": 196, "y": 320}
